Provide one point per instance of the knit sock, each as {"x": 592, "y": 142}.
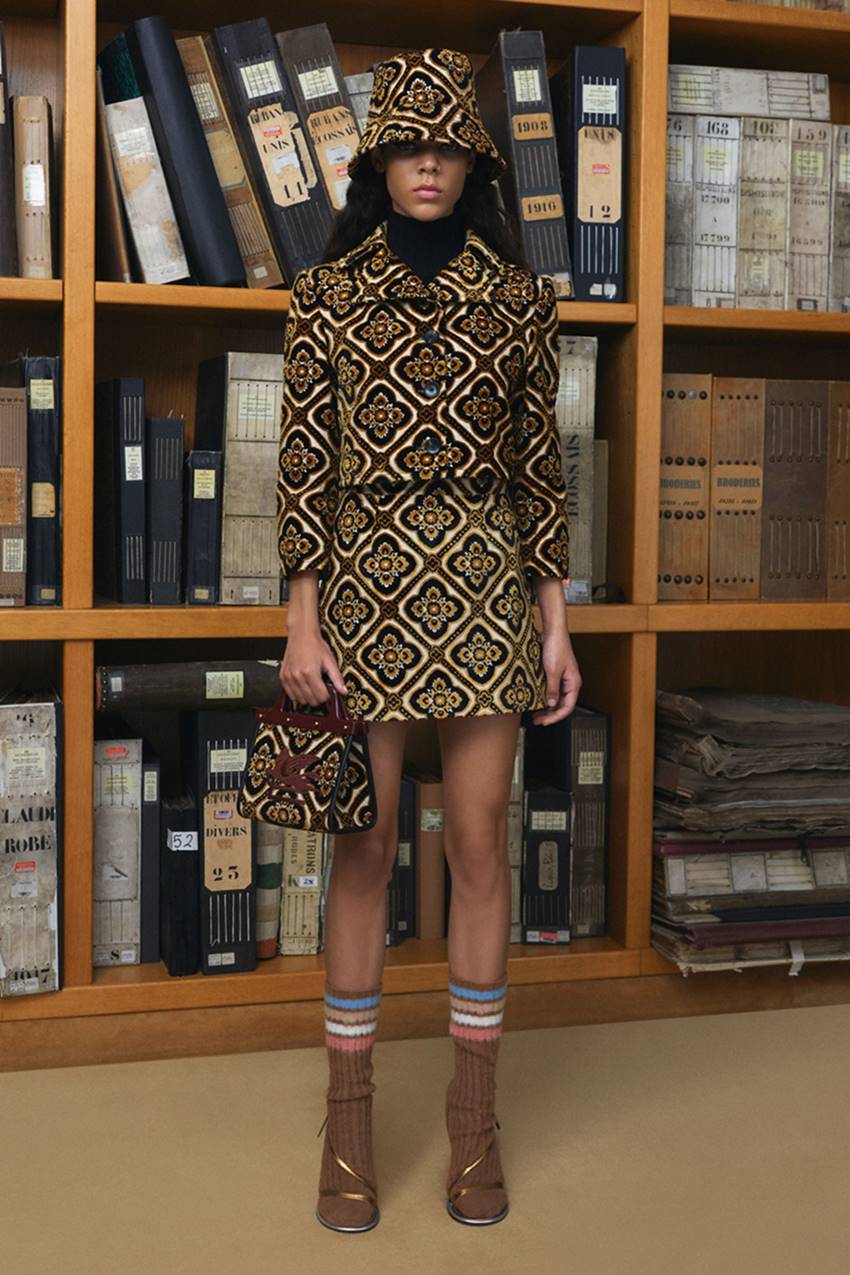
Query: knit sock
{"x": 476, "y": 1027}
{"x": 351, "y": 1021}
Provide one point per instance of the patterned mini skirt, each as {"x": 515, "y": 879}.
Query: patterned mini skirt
{"x": 425, "y": 605}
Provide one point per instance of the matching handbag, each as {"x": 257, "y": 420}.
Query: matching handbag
{"x": 310, "y": 769}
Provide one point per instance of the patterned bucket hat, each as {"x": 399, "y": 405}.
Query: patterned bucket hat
{"x": 426, "y": 95}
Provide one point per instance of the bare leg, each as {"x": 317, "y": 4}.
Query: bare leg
{"x": 355, "y": 915}
{"x": 478, "y": 755}
{"x": 355, "y": 945}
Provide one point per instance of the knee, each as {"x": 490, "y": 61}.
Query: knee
{"x": 364, "y": 860}
{"x": 478, "y": 858}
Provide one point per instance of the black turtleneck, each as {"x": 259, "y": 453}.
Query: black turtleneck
{"x": 425, "y": 246}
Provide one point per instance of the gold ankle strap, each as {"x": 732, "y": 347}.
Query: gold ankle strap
{"x": 456, "y": 1191}
{"x": 349, "y": 1195}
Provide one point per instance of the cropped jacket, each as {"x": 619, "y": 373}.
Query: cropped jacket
{"x": 389, "y": 377}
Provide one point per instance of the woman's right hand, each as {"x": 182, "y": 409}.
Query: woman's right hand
{"x": 306, "y": 657}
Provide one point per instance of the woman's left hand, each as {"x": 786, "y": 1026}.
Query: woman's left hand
{"x": 563, "y": 680}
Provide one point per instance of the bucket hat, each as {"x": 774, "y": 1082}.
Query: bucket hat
{"x": 426, "y": 95}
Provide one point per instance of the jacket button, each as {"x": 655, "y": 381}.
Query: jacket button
{"x": 431, "y": 444}
{"x": 430, "y": 388}
{"x": 431, "y": 334}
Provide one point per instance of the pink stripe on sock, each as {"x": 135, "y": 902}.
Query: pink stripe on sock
{"x": 475, "y": 1033}
{"x": 350, "y": 1043}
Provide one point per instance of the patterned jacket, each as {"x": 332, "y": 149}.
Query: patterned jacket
{"x": 387, "y": 377}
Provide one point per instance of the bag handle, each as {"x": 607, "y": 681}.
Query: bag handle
{"x": 337, "y": 718}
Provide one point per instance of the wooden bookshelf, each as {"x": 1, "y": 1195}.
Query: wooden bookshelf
{"x": 625, "y": 650}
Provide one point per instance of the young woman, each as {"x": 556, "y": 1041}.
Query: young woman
{"x": 421, "y": 500}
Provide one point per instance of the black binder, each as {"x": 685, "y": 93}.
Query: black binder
{"x": 202, "y": 502}
{"x": 42, "y": 377}
{"x": 164, "y": 441}
{"x": 588, "y": 101}
{"x": 120, "y": 468}
{"x": 8, "y": 225}
{"x": 179, "y": 923}
{"x": 263, "y": 108}
{"x": 216, "y": 747}
{"x": 546, "y": 865}
{"x": 205, "y": 227}
{"x": 513, "y": 96}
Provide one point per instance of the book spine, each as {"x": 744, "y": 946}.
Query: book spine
{"x": 684, "y": 487}
{"x": 839, "y": 220}
{"x": 737, "y": 481}
{"x": 716, "y": 169}
{"x": 679, "y": 219}
{"x": 33, "y": 143}
{"x": 725, "y": 90}
{"x": 597, "y": 217}
{"x": 13, "y": 497}
{"x": 763, "y": 213}
{"x": 808, "y": 216}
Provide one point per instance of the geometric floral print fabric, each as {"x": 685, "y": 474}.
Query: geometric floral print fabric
{"x": 425, "y": 606}
{"x": 420, "y": 473}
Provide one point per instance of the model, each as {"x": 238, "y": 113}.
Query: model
{"x": 420, "y": 501}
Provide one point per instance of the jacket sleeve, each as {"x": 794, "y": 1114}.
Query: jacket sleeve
{"x": 537, "y": 486}
{"x": 307, "y": 483}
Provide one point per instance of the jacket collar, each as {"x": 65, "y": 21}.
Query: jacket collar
{"x": 377, "y": 273}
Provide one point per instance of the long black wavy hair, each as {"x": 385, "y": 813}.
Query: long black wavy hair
{"x": 368, "y": 203}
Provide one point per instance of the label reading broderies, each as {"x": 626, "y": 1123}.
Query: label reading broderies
{"x": 203, "y": 484}
{"x": 222, "y": 684}
{"x": 151, "y": 789}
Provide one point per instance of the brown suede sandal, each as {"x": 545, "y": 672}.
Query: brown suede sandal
{"x": 370, "y": 1198}
{"x": 455, "y": 1192}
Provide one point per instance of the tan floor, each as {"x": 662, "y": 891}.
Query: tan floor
{"x": 718, "y": 1144}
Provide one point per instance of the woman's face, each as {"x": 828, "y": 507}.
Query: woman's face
{"x": 414, "y": 169}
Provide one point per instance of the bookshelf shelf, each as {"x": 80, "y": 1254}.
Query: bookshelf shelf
{"x": 416, "y": 966}
{"x": 689, "y": 322}
{"x": 464, "y": 26}
{"x": 756, "y": 35}
{"x": 224, "y": 304}
{"x": 29, "y": 296}
{"x": 708, "y": 617}
{"x": 107, "y": 620}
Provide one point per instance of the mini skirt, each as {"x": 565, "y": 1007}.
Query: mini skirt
{"x": 425, "y": 605}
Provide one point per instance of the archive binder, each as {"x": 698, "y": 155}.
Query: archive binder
{"x": 42, "y": 377}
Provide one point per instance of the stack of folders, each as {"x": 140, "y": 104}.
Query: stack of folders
{"x": 755, "y": 489}
{"x": 758, "y": 191}
{"x": 751, "y": 859}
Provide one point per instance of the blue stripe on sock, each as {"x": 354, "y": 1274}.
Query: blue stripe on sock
{"x": 359, "y": 1002}
{"x": 475, "y": 995}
